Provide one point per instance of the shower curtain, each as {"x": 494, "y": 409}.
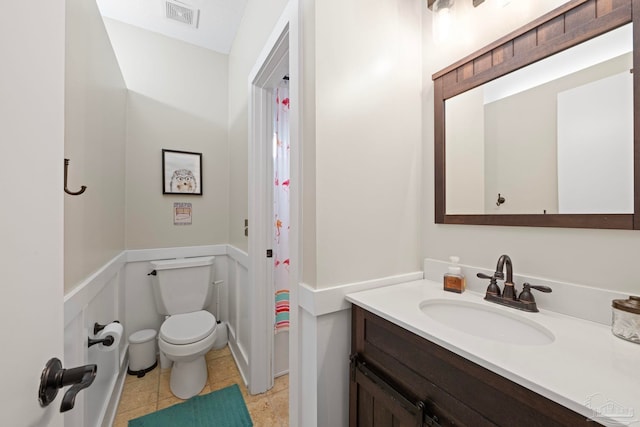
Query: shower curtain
{"x": 281, "y": 206}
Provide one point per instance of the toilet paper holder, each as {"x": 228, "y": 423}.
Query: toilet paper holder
{"x": 97, "y": 327}
{"x": 106, "y": 341}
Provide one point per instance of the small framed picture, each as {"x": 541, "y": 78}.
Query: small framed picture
{"x": 181, "y": 172}
{"x": 182, "y": 213}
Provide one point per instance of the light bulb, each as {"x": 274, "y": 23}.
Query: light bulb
{"x": 443, "y": 19}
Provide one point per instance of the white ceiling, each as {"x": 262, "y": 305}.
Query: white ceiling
{"x": 217, "y": 25}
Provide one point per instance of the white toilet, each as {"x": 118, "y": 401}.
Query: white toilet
{"x": 182, "y": 289}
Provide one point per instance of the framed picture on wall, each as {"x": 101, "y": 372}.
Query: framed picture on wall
{"x": 181, "y": 172}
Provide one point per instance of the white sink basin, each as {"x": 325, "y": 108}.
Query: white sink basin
{"x": 488, "y": 322}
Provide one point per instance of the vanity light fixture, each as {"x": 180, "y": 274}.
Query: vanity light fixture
{"x": 443, "y": 17}
{"x": 476, "y": 3}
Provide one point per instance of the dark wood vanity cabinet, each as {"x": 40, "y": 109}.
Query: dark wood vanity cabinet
{"x": 399, "y": 379}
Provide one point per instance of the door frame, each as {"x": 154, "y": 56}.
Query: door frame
{"x": 283, "y": 42}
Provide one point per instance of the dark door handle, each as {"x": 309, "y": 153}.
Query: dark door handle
{"x": 54, "y": 377}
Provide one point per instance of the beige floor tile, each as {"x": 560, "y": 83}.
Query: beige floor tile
{"x": 280, "y": 383}
{"x": 222, "y": 368}
{"x": 152, "y": 392}
{"x": 173, "y": 400}
{"x": 122, "y": 418}
{"x": 248, "y": 398}
{"x": 169, "y": 401}
{"x": 219, "y": 385}
{"x": 205, "y": 390}
{"x": 262, "y": 413}
{"x": 215, "y": 354}
{"x": 147, "y": 383}
{"x": 280, "y": 403}
{"x": 132, "y": 399}
{"x": 164, "y": 389}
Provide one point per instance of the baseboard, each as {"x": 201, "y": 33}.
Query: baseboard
{"x": 279, "y": 374}
{"x": 238, "y": 363}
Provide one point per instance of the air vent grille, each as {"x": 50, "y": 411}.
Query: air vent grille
{"x": 182, "y": 14}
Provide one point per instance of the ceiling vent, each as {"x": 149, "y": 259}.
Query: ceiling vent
{"x": 182, "y": 13}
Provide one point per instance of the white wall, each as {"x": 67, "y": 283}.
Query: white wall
{"x": 361, "y": 184}
{"x": 177, "y": 100}
{"x": 95, "y": 108}
{"x": 368, "y": 144}
{"x": 598, "y": 258}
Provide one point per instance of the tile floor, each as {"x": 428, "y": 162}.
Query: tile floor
{"x": 150, "y": 393}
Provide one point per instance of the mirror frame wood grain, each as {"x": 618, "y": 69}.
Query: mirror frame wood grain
{"x": 568, "y": 25}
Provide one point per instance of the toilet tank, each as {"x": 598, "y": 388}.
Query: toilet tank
{"x": 182, "y": 285}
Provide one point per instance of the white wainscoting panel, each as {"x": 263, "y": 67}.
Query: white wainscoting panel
{"x": 97, "y": 299}
{"x": 238, "y": 306}
{"x": 325, "y": 347}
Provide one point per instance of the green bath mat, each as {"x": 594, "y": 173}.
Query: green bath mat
{"x": 222, "y": 408}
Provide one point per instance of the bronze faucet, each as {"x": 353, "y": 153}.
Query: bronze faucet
{"x": 525, "y": 301}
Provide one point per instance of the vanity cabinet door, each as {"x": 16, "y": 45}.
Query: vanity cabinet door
{"x": 377, "y": 404}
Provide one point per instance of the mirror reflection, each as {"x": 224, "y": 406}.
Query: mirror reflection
{"x": 553, "y": 137}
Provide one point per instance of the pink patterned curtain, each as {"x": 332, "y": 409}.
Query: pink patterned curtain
{"x": 281, "y": 207}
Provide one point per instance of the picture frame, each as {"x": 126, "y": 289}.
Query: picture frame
{"x": 181, "y": 172}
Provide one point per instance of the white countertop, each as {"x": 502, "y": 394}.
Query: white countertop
{"x": 586, "y": 368}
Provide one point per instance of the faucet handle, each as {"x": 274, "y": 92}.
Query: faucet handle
{"x": 526, "y": 294}
{"x": 493, "y": 287}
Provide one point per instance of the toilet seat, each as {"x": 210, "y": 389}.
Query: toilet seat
{"x": 188, "y": 328}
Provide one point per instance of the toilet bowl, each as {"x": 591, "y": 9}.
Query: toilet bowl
{"x": 185, "y": 339}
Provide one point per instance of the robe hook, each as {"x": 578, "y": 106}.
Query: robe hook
{"x": 66, "y": 189}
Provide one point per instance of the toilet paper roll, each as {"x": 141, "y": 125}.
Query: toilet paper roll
{"x": 115, "y": 330}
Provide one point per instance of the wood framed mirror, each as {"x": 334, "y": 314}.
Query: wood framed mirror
{"x": 544, "y": 145}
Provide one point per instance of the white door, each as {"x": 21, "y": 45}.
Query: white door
{"x": 31, "y": 201}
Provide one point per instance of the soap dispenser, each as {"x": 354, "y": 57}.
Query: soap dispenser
{"x": 454, "y": 280}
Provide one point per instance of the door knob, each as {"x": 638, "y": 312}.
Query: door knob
{"x": 54, "y": 377}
